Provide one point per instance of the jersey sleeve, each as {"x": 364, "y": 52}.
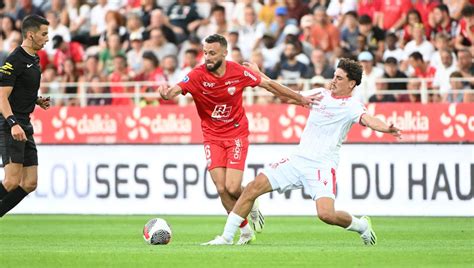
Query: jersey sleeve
{"x": 190, "y": 82}
{"x": 357, "y": 110}
{"x": 251, "y": 79}
{"x": 311, "y": 92}
{"x": 10, "y": 70}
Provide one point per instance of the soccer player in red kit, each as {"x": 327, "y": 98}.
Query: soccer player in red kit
{"x": 217, "y": 87}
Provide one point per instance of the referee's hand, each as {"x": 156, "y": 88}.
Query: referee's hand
{"x": 44, "y": 103}
{"x": 18, "y": 134}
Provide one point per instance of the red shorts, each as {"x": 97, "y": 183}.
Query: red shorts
{"x": 226, "y": 153}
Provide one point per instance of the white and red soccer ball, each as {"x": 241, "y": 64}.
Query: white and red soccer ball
{"x": 157, "y": 232}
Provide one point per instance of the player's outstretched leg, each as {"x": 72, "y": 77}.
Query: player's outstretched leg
{"x": 256, "y": 217}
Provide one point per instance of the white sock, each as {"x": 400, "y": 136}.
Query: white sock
{"x": 246, "y": 229}
{"x": 231, "y": 226}
{"x": 357, "y": 225}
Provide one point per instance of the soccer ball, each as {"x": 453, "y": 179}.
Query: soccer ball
{"x": 157, "y": 232}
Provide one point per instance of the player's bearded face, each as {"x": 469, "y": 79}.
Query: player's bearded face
{"x": 213, "y": 66}
{"x": 214, "y": 56}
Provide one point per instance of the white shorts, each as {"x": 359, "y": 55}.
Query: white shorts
{"x": 296, "y": 173}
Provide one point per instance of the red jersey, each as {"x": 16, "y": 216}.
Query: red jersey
{"x": 219, "y": 99}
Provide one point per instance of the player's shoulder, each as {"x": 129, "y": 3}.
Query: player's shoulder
{"x": 16, "y": 55}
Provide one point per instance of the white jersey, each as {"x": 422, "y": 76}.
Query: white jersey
{"x": 327, "y": 127}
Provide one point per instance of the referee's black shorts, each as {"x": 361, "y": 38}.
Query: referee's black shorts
{"x": 18, "y": 152}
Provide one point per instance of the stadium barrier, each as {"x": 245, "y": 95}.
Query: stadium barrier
{"x": 374, "y": 179}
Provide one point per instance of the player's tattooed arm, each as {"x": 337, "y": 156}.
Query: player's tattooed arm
{"x": 378, "y": 125}
{"x": 167, "y": 93}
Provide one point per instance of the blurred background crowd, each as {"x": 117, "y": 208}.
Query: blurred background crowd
{"x": 101, "y": 49}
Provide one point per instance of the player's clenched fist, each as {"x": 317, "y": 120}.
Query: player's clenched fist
{"x": 164, "y": 90}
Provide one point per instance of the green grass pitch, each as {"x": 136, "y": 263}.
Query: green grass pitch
{"x": 116, "y": 241}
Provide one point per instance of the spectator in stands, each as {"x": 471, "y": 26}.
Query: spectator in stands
{"x": 65, "y": 51}
{"x": 55, "y": 28}
{"x": 248, "y": 33}
{"x": 238, "y": 12}
{"x": 391, "y": 48}
{"x": 465, "y": 65}
{"x": 414, "y": 87}
{"x": 169, "y": 65}
{"x": 350, "y": 32}
{"x": 190, "y": 61}
{"x": 70, "y": 75}
{"x": 114, "y": 24}
{"x": 413, "y": 19}
{"x": 270, "y": 51}
{"x": 49, "y": 76}
{"x": 159, "y": 20}
{"x": 151, "y": 71}
{"x": 320, "y": 65}
{"x": 159, "y": 45}
{"x": 465, "y": 34}
{"x": 456, "y": 84}
{"x": 325, "y": 35}
{"x": 370, "y": 75}
{"x": 292, "y": 37}
{"x": 374, "y": 36}
{"x": 216, "y": 23}
{"x": 291, "y": 71}
{"x": 422, "y": 69}
{"x": 147, "y": 8}
{"x": 370, "y": 8}
{"x": 79, "y": 24}
{"x": 443, "y": 72}
{"x": 418, "y": 44}
{"x": 9, "y": 33}
{"x": 337, "y": 9}
{"x": 97, "y": 19}
{"x": 120, "y": 74}
{"x": 134, "y": 55}
{"x": 276, "y": 29}
{"x": 236, "y": 55}
{"x": 297, "y": 9}
{"x": 392, "y": 72}
{"x": 95, "y": 89}
{"x": 455, "y": 8}
{"x": 107, "y": 55}
{"x": 180, "y": 15}
{"x": 441, "y": 42}
{"x": 91, "y": 69}
{"x": 318, "y": 81}
{"x": 393, "y": 14}
{"x": 425, "y": 8}
{"x": 266, "y": 15}
{"x": 148, "y": 99}
{"x": 442, "y": 22}
{"x": 306, "y": 24}
{"x": 381, "y": 96}
{"x": 134, "y": 24}
{"x": 26, "y": 7}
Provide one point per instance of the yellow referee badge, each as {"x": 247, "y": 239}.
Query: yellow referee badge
{"x": 6, "y": 68}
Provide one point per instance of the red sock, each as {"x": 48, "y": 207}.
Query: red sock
{"x": 245, "y": 222}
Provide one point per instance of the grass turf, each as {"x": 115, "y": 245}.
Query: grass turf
{"x": 116, "y": 241}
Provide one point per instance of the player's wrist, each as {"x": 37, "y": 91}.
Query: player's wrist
{"x": 11, "y": 120}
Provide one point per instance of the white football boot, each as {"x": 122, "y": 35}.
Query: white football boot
{"x": 246, "y": 238}
{"x": 257, "y": 221}
{"x": 368, "y": 236}
{"x": 219, "y": 240}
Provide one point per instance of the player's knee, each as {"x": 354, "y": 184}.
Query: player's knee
{"x": 11, "y": 183}
{"x": 221, "y": 190}
{"x": 234, "y": 190}
{"x": 326, "y": 216}
{"x": 29, "y": 186}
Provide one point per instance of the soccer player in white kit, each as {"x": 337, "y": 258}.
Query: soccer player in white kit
{"x": 314, "y": 164}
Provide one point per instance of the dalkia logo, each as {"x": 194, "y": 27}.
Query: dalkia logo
{"x": 172, "y": 124}
{"x": 258, "y": 123}
{"x": 409, "y": 121}
{"x": 293, "y": 123}
{"x": 98, "y": 124}
{"x": 139, "y": 125}
{"x": 65, "y": 125}
{"x": 454, "y": 122}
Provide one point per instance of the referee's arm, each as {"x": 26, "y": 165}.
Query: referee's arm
{"x": 6, "y": 110}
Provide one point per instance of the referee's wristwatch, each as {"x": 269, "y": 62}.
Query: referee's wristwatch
{"x": 11, "y": 120}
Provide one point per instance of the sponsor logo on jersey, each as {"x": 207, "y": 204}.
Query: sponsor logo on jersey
{"x": 221, "y": 111}
{"x": 208, "y": 84}
{"x": 6, "y": 68}
{"x": 186, "y": 79}
{"x": 250, "y": 75}
{"x": 231, "y": 90}
{"x": 231, "y": 82}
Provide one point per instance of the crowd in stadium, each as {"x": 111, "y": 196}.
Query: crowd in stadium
{"x": 160, "y": 41}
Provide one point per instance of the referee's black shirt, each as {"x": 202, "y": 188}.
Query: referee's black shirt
{"x": 22, "y": 72}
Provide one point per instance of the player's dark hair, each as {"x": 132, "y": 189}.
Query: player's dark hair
{"x": 352, "y": 68}
{"x": 32, "y": 23}
{"x": 216, "y": 38}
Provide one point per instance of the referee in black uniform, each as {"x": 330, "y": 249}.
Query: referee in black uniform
{"x": 19, "y": 83}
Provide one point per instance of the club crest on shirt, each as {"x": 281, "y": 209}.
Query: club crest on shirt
{"x": 231, "y": 90}
{"x": 186, "y": 79}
